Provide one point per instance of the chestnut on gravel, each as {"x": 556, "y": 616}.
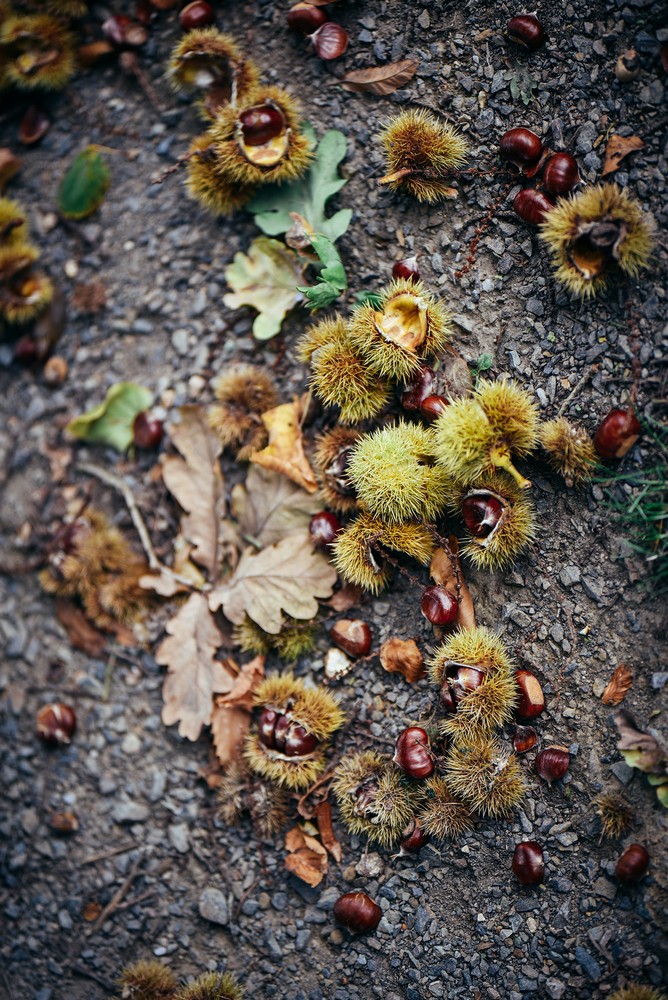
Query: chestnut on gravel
{"x": 352, "y": 636}
{"x": 633, "y": 864}
{"x": 406, "y": 268}
{"x": 439, "y": 606}
{"x": 413, "y": 753}
{"x": 552, "y": 763}
{"x": 532, "y": 206}
{"x": 617, "y": 433}
{"x": 357, "y": 912}
{"x": 561, "y": 174}
{"x": 527, "y": 31}
{"x": 521, "y": 146}
{"x": 56, "y": 724}
{"x": 330, "y": 40}
{"x": 304, "y": 18}
{"x": 532, "y": 700}
{"x": 528, "y": 864}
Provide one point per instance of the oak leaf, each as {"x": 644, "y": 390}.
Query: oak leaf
{"x": 309, "y": 866}
{"x": 268, "y": 506}
{"x": 620, "y": 683}
{"x": 231, "y": 717}
{"x": 618, "y": 148}
{"x": 196, "y": 482}
{"x": 266, "y": 279}
{"x": 446, "y": 571}
{"x": 286, "y": 577}
{"x": 380, "y": 79}
{"x": 402, "y": 656}
{"x": 285, "y": 451}
{"x": 194, "y": 674}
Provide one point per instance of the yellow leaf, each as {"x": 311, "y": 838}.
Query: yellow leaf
{"x": 285, "y": 451}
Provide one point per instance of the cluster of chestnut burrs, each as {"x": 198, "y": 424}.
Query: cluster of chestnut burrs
{"x": 24, "y": 291}
{"x": 254, "y": 133}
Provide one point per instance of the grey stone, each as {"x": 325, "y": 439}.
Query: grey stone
{"x": 213, "y": 906}
{"x": 622, "y": 771}
{"x": 569, "y": 576}
{"x": 602, "y": 887}
{"x": 554, "y": 988}
{"x": 590, "y": 966}
{"x": 130, "y": 812}
{"x": 179, "y": 837}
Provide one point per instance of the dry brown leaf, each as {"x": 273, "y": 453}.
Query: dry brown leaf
{"x": 267, "y": 507}
{"x": 380, "y": 79}
{"x": 194, "y": 675}
{"x": 288, "y": 576}
{"x": 323, "y": 815}
{"x": 442, "y": 572}
{"x": 294, "y": 839}
{"x": 402, "y": 656}
{"x": 197, "y": 484}
{"x": 9, "y": 165}
{"x": 285, "y": 451}
{"x": 229, "y": 727}
{"x": 618, "y": 148}
{"x": 89, "y": 297}
{"x": 79, "y": 630}
{"x": 620, "y": 683}
{"x": 307, "y": 865}
{"x": 348, "y": 597}
{"x": 244, "y": 684}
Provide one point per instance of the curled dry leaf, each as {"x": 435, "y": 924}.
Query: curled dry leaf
{"x": 285, "y": 451}
{"x": 307, "y": 858}
{"x": 286, "y": 577}
{"x": 79, "y": 630}
{"x": 446, "y": 571}
{"x": 620, "y": 683}
{"x": 618, "y": 148}
{"x": 380, "y": 79}
{"x": 268, "y": 506}
{"x": 348, "y": 597}
{"x": 639, "y": 748}
{"x": 231, "y": 717}
{"x": 402, "y": 656}
{"x": 194, "y": 674}
{"x": 323, "y": 816}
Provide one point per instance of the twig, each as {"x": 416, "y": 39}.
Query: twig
{"x": 108, "y": 854}
{"x": 79, "y": 970}
{"x": 116, "y": 899}
{"x": 181, "y": 162}
{"x": 581, "y": 383}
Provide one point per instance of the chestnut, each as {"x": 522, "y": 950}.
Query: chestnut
{"x": 34, "y": 125}
{"x": 627, "y": 66}
{"x": 147, "y": 430}
{"x": 552, "y": 763}
{"x": 304, "y": 18}
{"x": 439, "y": 606}
{"x": 352, "y": 636}
{"x": 261, "y": 124}
{"x": 532, "y": 206}
{"x": 418, "y": 389}
{"x": 532, "y": 700}
{"x": 560, "y": 174}
{"x": 465, "y": 680}
{"x": 432, "y": 407}
{"x": 124, "y": 32}
{"x": 481, "y": 513}
{"x": 632, "y": 865}
{"x": 56, "y": 724}
{"x": 524, "y": 738}
{"x": 406, "y": 268}
{"x": 446, "y": 697}
{"x": 413, "y": 839}
{"x": 617, "y": 433}
{"x": 279, "y": 732}
{"x": 324, "y": 527}
{"x": 198, "y": 14}
{"x": 357, "y": 912}
{"x": 63, "y": 823}
{"x": 330, "y": 40}
{"x": 527, "y": 31}
{"x": 521, "y": 146}
{"x": 528, "y": 864}
{"x": 413, "y": 753}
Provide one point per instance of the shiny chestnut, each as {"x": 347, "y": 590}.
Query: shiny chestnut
{"x": 560, "y": 174}
{"x": 524, "y": 739}
{"x": 261, "y": 124}
{"x": 521, "y": 146}
{"x": 464, "y": 680}
{"x": 198, "y": 14}
{"x": 433, "y": 407}
{"x": 406, "y": 268}
{"x": 304, "y": 18}
{"x": 439, "y": 606}
{"x": 413, "y": 839}
{"x": 552, "y": 763}
{"x": 413, "y": 753}
{"x": 357, "y": 912}
{"x": 279, "y": 732}
{"x": 481, "y": 512}
{"x": 527, "y": 31}
{"x": 56, "y": 724}
{"x": 528, "y": 864}
{"x": 330, "y": 40}
{"x": 147, "y": 430}
{"x": 352, "y": 636}
{"x": 531, "y": 701}
{"x": 532, "y": 206}
{"x": 633, "y": 864}
{"x": 324, "y": 527}
{"x": 418, "y": 389}
{"x": 617, "y": 433}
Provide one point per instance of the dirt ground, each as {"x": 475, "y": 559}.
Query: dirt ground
{"x": 455, "y": 922}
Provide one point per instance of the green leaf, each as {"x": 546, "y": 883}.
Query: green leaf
{"x": 84, "y": 185}
{"x": 111, "y": 422}
{"x": 265, "y": 278}
{"x": 366, "y": 295}
{"x": 332, "y": 279}
{"x": 307, "y": 196}
{"x": 484, "y": 362}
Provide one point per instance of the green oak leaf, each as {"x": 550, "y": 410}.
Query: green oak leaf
{"x": 265, "y": 278}
{"x": 111, "y": 422}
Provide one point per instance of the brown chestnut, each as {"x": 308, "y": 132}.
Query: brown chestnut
{"x": 552, "y": 763}
{"x": 330, "y": 40}
{"x": 481, "y": 513}
{"x": 304, "y": 18}
{"x": 532, "y": 206}
{"x": 413, "y": 753}
{"x": 413, "y": 839}
{"x": 525, "y": 738}
{"x": 56, "y": 724}
{"x": 324, "y": 527}
{"x": 561, "y": 174}
{"x": 527, "y": 31}
{"x": 63, "y": 823}
{"x": 528, "y": 864}
{"x": 439, "y": 606}
{"x": 406, "y": 268}
{"x": 532, "y": 700}
{"x": 418, "y": 389}
{"x": 357, "y": 912}
{"x": 147, "y": 430}
{"x": 521, "y": 146}
{"x": 432, "y": 407}
{"x": 633, "y": 864}
{"x": 617, "y": 433}
{"x": 352, "y": 636}
{"x": 124, "y": 32}
{"x": 34, "y": 125}
{"x": 198, "y": 14}
{"x": 279, "y": 732}
{"x": 261, "y": 124}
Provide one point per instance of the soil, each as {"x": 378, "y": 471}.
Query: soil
{"x": 455, "y": 922}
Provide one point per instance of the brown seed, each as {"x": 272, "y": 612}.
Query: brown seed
{"x": 330, "y": 40}
{"x": 353, "y": 636}
{"x": 56, "y": 723}
{"x": 63, "y": 822}
{"x": 633, "y": 864}
{"x": 34, "y": 125}
{"x": 532, "y": 699}
{"x": 525, "y": 738}
{"x": 55, "y": 371}
{"x": 357, "y": 912}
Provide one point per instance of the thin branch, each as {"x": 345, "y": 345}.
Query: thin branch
{"x": 108, "y": 854}
{"x": 116, "y": 899}
{"x": 581, "y": 383}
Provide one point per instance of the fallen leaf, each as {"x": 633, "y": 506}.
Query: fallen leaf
{"x": 194, "y": 675}
{"x": 91, "y": 912}
{"x": 446, "y": 571}
{"x": 266, "y": 279}
{"x": 402, "y": 656}
{"x": 323, "y": 815}
{"x": 620, "y": 683}
{"x": 288, "y": 576}
{"x": 89, "y": 297}
{"x": 617, "y": 149}
{"x": 349, "y": 596}
{"x": 79, "y": 630}
{"x": 195, "y": 480}
{"x": 294, "y": 839}
{"x": 285, "y": 451}
{"x": 9, "y": 165}
{"x": 307, "y": 865}
{"x": 84, "y": 185}
{"x": 380, "y": 79}
{"x": 111, "y": 422}
{"x": 245, "y": 682}
{"x": 268, "y": 506}
{"x": 639, "y": 748}
{"x": 229, "y": 727}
